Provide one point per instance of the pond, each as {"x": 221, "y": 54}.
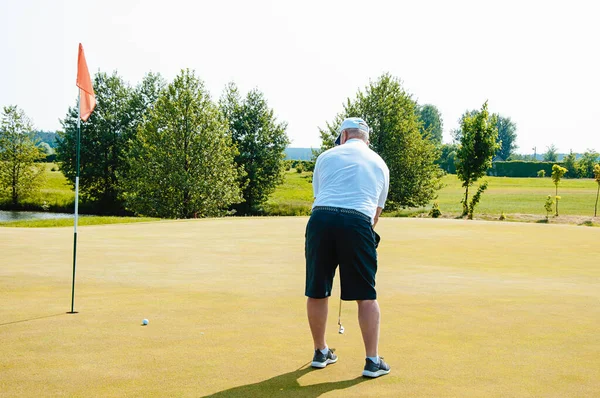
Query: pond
{"x": 31, "y": 215}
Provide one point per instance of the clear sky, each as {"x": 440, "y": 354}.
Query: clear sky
{"x": 537, "y": 62}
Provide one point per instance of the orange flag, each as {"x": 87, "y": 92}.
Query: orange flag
{"x": 87, "y": 98}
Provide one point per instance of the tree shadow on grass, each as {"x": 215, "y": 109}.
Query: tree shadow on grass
{"x": 286, "y": 385}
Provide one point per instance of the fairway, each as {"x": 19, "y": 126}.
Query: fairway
{"x": 513, "y": 196}
{"x": 469, "y": 309}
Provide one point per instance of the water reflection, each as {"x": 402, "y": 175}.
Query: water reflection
{"x": 31, "y": 215}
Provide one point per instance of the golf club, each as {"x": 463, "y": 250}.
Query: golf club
{"x": 341, "y": 328}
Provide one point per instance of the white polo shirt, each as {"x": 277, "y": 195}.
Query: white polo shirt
{"x": 351, "y": 176}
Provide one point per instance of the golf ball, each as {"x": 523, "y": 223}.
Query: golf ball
{"x": 145, "y": 322}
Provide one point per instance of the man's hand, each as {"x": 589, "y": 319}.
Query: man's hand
{"x": 377, "y": 214}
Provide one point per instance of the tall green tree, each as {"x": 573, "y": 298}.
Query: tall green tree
{"x": 557, "y": 174}
{"x": 106, "y": 137}
{"x": 507, "y": 137}
{"x": 457, "y": 132}
{"x": 478, "y": 144}
{"x": 570, "y": 163}
{"x": 261, "y": 141}
{"x": 19, "y": 175}
{"x": 104, "y": 140}
{"x": 181, "y": 164}
{"x": 433, "y": 124}
{"x": 396, "y": 136}
{"x": 144, "y": 97}
{"x": 447, "y": 159}
{"x": 551, "y": 154}
{"x": 585, "y": 165}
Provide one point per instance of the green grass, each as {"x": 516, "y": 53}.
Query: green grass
{"x": 504, "y": 194}
{"x": 469, "y": 309}
{"x": 294, "y": 197}
{"x": 522, "y": 195}
{"x": 511, "y": 196}
{"x": 68, "y": 222}
{"x": 56, "y": 191}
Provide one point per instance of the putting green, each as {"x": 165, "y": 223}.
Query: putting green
{"x": 469, "y": 309}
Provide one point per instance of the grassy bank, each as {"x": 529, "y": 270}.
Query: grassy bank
{"x": 514, "y": 197}
{"x": 68, "y": 222}
{"x": 294, "y": 197}
{"x": 56, "y": 194}
{"x": 506, "y": 195}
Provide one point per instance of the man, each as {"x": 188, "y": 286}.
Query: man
{"x": 350, "y": 184}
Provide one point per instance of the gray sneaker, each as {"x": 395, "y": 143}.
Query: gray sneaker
{"x": 321, "y": 360}
{"x": 375, "y": 370}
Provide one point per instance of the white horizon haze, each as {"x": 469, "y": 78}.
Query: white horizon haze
{"x": 536, "y": 62}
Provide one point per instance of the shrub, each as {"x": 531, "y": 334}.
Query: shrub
{"x": 541, "y": 173}
{"x": 435, "y": 210}
{"x": 548, "y": 205}
{"x": 299, "y": 168}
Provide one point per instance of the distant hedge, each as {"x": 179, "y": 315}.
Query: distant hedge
{"x": 47, "y": 159}
{"x": 520, "y": 168}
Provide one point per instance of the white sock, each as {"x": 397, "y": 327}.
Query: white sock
{"x": 374, "y": 359}
{"x": 325, "y": 350}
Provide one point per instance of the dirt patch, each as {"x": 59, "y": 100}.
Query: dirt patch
{"x": 530, "y": 218}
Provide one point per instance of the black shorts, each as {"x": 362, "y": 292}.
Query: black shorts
{"x": 336, "y": 237}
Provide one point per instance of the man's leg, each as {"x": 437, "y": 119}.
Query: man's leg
{"x": 368, "y": 319}
{"x": 317, "y": 318}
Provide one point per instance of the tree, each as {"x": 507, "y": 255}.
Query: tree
{"x": 48, "y": 137}
{"x": 144, "y": 97}
{"x": 447, "y": 159}
{"x": 396, "y": 136}
{"x": 19, "y": 175}
{"x": 104, "y": 140}
{"x": 597, "y": 178}
{"x": 45, "y": 148}
{"x": 507, "y": 136}
{"x": 106, "y": 137}
{"x": 457, "y": 132}
{"x": 476, "y": 199}
{"x": 261, "y": 141}
{"x": 477, "y": 148}
{"x": 569, "y": 163}
{"x": 181, "y": 164}
{"x": 433, "y": 123}
{"x": 551, "y": 154}
{"x": 557, "y": 173}
{"x": 585, "y": 165}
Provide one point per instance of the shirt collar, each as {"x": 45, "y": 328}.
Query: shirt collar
{"x": 355, "y": 140}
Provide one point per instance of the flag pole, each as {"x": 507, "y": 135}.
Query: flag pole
{"x": 76, "y": 206}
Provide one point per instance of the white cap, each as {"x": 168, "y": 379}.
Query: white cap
{"x": 352, "y": 123}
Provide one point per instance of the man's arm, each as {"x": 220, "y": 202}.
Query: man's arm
{"x": 377, "y": 214}
{"x": 315, "y": 179}
{"x": 383, "y": 195}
